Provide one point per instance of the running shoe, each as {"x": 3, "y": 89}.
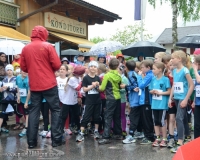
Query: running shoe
{"x": 145, "y": 141}
{"x": 4, "y": 130}
{"x": 23, "y": 133}
{"x": 68, "y": 131}
{"x": 171, "y": 143}
{"x": 97, "y": 135}
{"x": 104, "y": 141}
{"x": 80, "y": 137}
{"x": 156, "y": 143}
{"x": 129, "y": 139}
{"x": 139, "y": 135}
{"x": 175, "y": 148}
{"x": 163, "y": 143}
{"x": 44, "y": 134}
{"x": 48, "y": 135}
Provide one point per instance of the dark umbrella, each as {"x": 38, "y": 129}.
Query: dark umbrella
{"x": 88, "y": 54}
{"x": 71, "y": 52}
{"x": 143, "y": 48}
{"x": 189, "y": 41}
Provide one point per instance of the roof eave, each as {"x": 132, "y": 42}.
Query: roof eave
{"x": 95, "y": 8}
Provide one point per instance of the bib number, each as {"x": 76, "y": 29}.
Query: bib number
{"x": 61, "y": 86}
{"x": 157, "y": 97}
{"x": 178, "y": 87}
{"x": 22, "y": 92}
{"x": 93, "y": 91}
{"x": 198, "y": 91}
{"x": 8, "y": 85}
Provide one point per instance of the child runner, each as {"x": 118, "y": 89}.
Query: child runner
{"x": 121, "y": 70}
{"x": 196, "y": 103}
{"x": 62, "y": 81}
{"x": 92, "y": 108}
{"x": 144, "y": 101}
{"x": 101, "y": 73}
{"x": 9, "y": 89}
{"x": 171, "y": 110}
{"x": 160, "y": 89}
{"x": 182, "y": 89}
{"x": 73, "y": 96}
{"x": 158, "y": 56}
{"x": 111, "y": 84}
{"x": 23, "y": 97}
{"x": 133, "y": 100}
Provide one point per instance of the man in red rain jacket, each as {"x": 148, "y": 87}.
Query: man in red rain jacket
{"x": 40, "y": 60}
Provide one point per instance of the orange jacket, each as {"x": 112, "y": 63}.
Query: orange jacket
{"x": 40, "y": 60}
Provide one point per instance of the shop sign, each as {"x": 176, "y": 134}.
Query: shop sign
{"x": 63, "y": 24}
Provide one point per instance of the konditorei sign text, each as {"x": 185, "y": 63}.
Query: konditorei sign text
{"x": 64, "y": 24}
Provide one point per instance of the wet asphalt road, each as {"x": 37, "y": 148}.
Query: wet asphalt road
{"x": 12, "y": 147}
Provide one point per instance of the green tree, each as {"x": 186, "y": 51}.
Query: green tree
{"x": 130, "y": 34}
{"x": 97, "y": 39}
{"x": 187, "y": 9}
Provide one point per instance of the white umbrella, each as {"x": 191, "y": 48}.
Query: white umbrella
{"x": 106, "y": 47}
{"x": 10, "y": 47}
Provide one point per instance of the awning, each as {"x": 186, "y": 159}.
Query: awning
{"x": 7, "y": 32}
{"x": 72, "y": 39}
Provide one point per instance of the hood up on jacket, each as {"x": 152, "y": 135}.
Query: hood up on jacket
{"x": 39, "y": 33}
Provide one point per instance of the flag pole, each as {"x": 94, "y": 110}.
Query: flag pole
{"x": 142, "y": 22}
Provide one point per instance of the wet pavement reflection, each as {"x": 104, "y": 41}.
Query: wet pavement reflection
{"x": 12, "y": 147}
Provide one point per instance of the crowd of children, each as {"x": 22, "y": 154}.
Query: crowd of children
{"x": 94, "y": 97}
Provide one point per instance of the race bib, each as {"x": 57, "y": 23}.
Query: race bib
{"x": 198, "y": 91}
{"x": 140, "y": 92}
{"x": 93, "y": 91}
{"x": 61, "y": 86}
{"x": 8, "y": 85}
{"x": 22, "y": 92}
{"x": 194, "y": 81}
{"x": 157, "y": 97}
{"x": 178, "y": 87}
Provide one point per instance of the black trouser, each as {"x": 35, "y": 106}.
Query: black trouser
{"x": 51, "y": 96}
{"x": 75, "y": 111}
{"x": 103, "y": 106}
{"x": 45, "y": 113}
{"x": 112, "y": 112}
{"x": 197, "y": 122}
{"x": 64, "y": 114}
{"x": 91, "y": 111}
{"x": 147, "y": 122}
{"x": 135, "y": 119}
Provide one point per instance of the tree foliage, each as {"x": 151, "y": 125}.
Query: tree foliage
{"x": 130, "y": 34}
{"x": 187, "y": 9}
{"x": 97, "y": 39}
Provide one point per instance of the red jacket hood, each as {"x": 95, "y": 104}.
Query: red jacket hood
{"x": 39, "y": 32}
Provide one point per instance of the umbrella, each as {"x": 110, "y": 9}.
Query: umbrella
{"x": 105, "y": 47}
{"x": 189, "y": 41}
{"x": 88, "y": 54}
{"x": 72, "y": 52}
{"x": 143, "y": 48}
{"x": 10, "y": 47}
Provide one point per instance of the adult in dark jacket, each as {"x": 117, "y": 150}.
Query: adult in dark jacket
{"x": 40, "y": 60}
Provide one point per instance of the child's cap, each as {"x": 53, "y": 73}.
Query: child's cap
{"x": 79, "y": 70}
{"x": 93, "y": 63}
{"x": 65, "y": 59}
{"x": 9, "y": 67}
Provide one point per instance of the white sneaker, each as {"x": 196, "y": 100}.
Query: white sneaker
{"x": 44, "y": 134}
{"x": 40, "y": 134}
